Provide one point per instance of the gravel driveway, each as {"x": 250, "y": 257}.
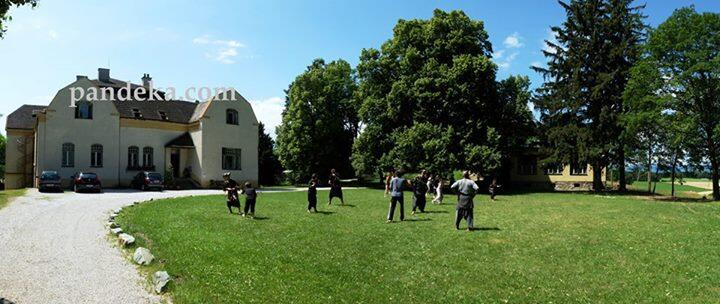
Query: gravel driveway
{"x": 54, "y": 249}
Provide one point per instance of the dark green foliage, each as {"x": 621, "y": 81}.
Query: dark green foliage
{"x": 5, "y": 6}
{"x": 581, "y": 101}
{"x": 319, "y": 122}
{"x": 433, "y": 76}
{"x": 268, "y": 163}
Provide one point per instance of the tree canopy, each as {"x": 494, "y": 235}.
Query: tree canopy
{"x": 5, "y": 7}
{"x": 268, "y": 163}
{"x": 320, "y": 121}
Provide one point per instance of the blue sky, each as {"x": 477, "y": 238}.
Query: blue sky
{"x": 257, "y": 47}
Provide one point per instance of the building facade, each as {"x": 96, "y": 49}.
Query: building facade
{"x": 197, "y": 141}
{"x": 527, "y": 172}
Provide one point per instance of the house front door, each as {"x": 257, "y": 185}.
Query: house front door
{"x": 175, "y": 162}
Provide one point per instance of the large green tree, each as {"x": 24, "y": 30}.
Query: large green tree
{"x": 320, "y": 121}
{"x": 434, "y": 80}
{"x": 588, "y": 67}
{"x": 268, "y": 163}
{"x": 5, "y": 7}
{"x": 682, "y": 61}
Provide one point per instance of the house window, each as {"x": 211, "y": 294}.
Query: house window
{"x": 554, "y": 169}
{"x": 163, "y": 115}
{"x": 147, "y": 157}
{"x": 68, "y": 155}
{"x": 133, "y": 153}
{"x": 84, "y": 110}
{"x": 527, "y": 165}
{"x": 231, "y": 159}
{"x": 96, "y": 156}
{"x": 578, "y": 169}
{"x": 232, "y": 117}
{"x": 137, "y": 114}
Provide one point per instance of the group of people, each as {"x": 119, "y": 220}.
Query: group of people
{"x": 422, "y": 186}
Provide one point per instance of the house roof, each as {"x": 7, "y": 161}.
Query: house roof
{"x": 177, "y": 111}
{"x": 23, "y": 117}
{"x": 182, "y": 141}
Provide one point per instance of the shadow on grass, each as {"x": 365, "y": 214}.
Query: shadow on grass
{"x": 324, "y": 212}
{"x": 418, "y": 220}
{"x": 485, "y": 229}
{"x": 261, "y": 218}
{"x": 435, "y": 211}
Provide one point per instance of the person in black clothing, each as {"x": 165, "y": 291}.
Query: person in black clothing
{"x": 250, "y": 197}
{"x": 230, "y": 187}
{"x": 335, "y": 187}
{"x": 493, "y": 189}
{"x": 419, "y": 191}
{"x": 312, "y": 193}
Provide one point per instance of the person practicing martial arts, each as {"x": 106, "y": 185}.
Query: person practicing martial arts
{"x": 493, "y": 189}
{"x": 466, "y": 189}
{"x": 312, "y": 193}
{"x": 397, "y": 184}
{"x": 419, "y": 190}
{"x": 250, "y": 199}
{"x": 335, "y": 187}
{"x": 438, "y": 191}
{"x": 230, "y": 186}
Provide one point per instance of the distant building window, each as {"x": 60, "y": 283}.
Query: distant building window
{"x": 68, "y": 155}
{"x": 578, "y": 169}
{"x": 527, "y": 165}
{"x": 163, "y": 115}
{"x": 84, "y": 110}
{"x": 231, "y": 159}
{"x": 232, "y": 117}
{"x": 147, "y": 157}
{"x": 554, "y": 169}
{"x": 133, "y": 154}
{"x": 137, "y": 114}
{"x": 96, "y": 156}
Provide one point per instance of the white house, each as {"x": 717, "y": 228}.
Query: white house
{"x": 117, "y": 139}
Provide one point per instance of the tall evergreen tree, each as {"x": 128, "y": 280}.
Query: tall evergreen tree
{"x": 319, "y": 122}
{"x": 268, "y": 163}
{"x": 581, "y": 101}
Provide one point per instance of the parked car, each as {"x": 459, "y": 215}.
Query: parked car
{"x": 148, "y": 180}
{"x": 86, "y": 181}
{"x": 50, "y": 181}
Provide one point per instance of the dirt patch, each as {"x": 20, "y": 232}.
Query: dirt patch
{"x": 704, "y": 185}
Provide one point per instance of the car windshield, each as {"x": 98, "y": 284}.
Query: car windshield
{"x": 88, "y": 175}
{"x": 49, "y": 176}
{"x": 154, "y": 176}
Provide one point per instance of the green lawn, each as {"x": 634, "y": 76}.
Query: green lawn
{"x": 665, "y": 188}
{"x": 7, "y": 195}
{"x": 530, "y": 248}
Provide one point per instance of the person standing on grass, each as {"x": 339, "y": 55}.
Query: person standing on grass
{"x": 419, "y": 189}
{"x": 396, "y": 185}
{"x": 388, "y": 178}
{"x": 493, "y": 189}
{"x": 438, "y": 191}
{"x": 312, "y": 193}
{"x": 250, "y": 198}
{"x": 230, "y": 187}
{"x": 335, "y": 187}
{"x": 466, "y": 189}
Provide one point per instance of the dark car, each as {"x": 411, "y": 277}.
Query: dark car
{"x": 50, "y": 181}
{"x": 86, "y": 181}
{"x": 148, "y": 180}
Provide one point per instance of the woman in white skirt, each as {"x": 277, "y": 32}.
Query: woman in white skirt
{"x": 438, "y": 191}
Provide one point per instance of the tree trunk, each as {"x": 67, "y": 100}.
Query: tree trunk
{"x": 672, "y": 177}
{"x": 657, "y": 173}
{"x": 715, "y": 174}
{"x": 597, "y": 177}
{"x": 649, "y": 169}
{"x": 622, "y": 184}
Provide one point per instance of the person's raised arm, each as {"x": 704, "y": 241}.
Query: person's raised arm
{"x": 455, "y": 185}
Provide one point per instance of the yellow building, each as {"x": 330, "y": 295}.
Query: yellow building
{"x": 527, "y": 172}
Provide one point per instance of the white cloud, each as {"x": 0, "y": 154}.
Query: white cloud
{"x": 269, "y": 112}
{"x": 53, "y": 34}
{"x": 552, "y": 39}
{"x": 513, "y": 41}
{"x": 505, "y": 62}
{"x": 225, "y": 51}
{"x": 497, "y": 55}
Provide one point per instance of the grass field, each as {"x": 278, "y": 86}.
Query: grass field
{"x": 665, "y": 188}
{"x": 7, "y": 195}
{"x": 529, "y": 248}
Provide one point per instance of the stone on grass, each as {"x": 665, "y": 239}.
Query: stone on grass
{"x": 117, "y": 210}
{"x": 125, "y": 239}
{"x": 113, "y": 216}
{"x": 143, "y": 256}
{"x": 113, "y": 225}
{"x": 116, "y": 231}
{"x": 160, "y": 280}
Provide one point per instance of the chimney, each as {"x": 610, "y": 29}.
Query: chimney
{"x": 78, "y": 77}
{"x": 104, "y": 74}
{"x": 146, "y": 80}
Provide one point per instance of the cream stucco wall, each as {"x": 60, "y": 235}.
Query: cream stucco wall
{"x": 19, "y": 159}
{"x": 217, "y": 134}
{"x": 141, "y": 138}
